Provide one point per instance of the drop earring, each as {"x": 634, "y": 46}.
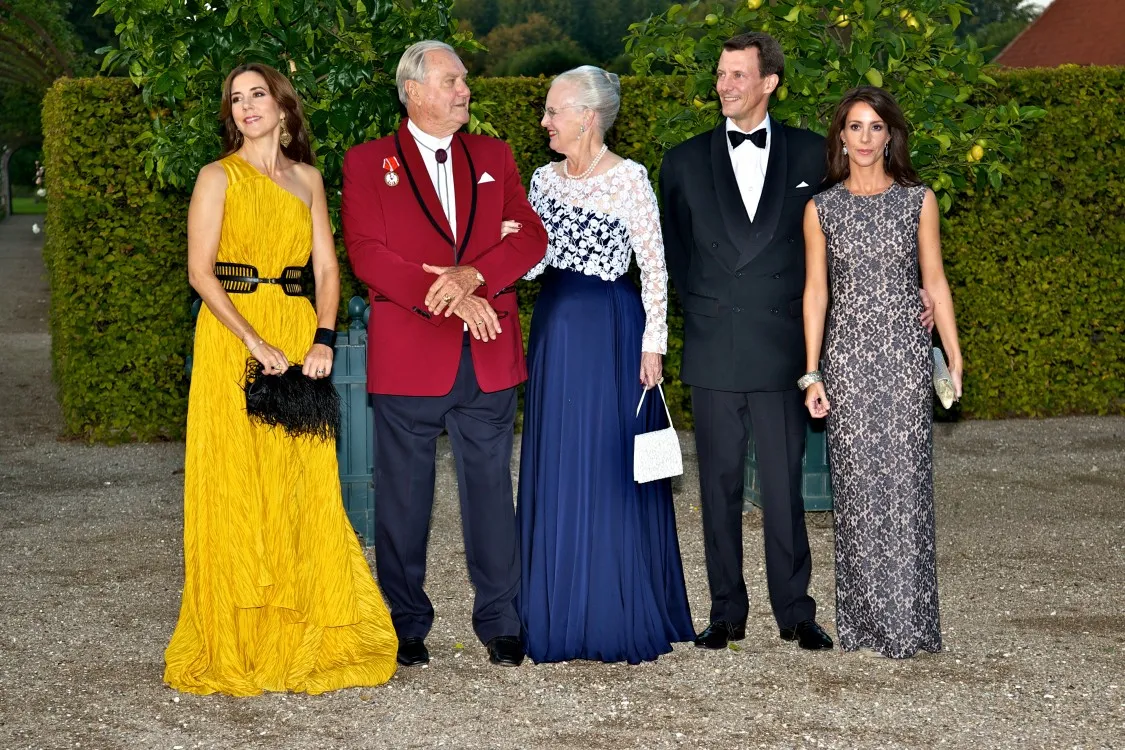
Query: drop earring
{"x": 286, "y": 138}
{"x": 845, "y": 149}
{"x": 887, "y": 150}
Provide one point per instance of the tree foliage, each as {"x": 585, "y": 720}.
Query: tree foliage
{"x": 504, "y": 41}
{"x": 603, "y": 24}
{"x": 19, "y": 114}
{"x": 94, "y": 31}
{"x": 993, "y": 38}
{"x": 985, "y": 12}
{"x": 480, "y": 15}
{"x": 340, "y": 55}
{"x": 596, "y": 26}
{"x": 546, "y": 59}
{"x": 963, "y": 132}
{"x": 37, "y": 45}
{"x": 995, "y": 23}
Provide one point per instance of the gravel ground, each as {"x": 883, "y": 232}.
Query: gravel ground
{"x": 1031, "y": 527}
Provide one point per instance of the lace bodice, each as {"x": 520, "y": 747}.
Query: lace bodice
{"x": 594, "y": 225}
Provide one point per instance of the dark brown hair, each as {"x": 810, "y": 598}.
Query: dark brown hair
{"x": 299, "y": 149}
{"x": 771, "y": 60}
{"x": 896, "y": 161}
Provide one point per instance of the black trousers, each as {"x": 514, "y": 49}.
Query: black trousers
{"x": 722, "y": 424}
{"x": 480, "y": 427}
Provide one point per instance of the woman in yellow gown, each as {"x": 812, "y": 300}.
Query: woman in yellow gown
{"x": 277, "y": 593}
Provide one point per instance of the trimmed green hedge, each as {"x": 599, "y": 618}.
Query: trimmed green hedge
{"x": 1037, "y": 268}
{"x": 117, "y": 260}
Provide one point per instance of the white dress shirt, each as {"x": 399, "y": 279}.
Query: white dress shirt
{"x": 428, "y": 145}
{"x": 749, "y": 164}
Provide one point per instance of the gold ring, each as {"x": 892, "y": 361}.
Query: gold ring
{"x": 447, "y": 298}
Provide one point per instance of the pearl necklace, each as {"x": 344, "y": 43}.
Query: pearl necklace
{"x": 589, "y": 169}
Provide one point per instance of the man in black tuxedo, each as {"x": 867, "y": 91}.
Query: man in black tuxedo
{"x": 734, "y": 201}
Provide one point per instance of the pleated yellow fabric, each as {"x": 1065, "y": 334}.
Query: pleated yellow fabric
{"x": 277, "y": 593}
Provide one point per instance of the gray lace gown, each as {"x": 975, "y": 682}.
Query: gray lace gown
{"x": 878, "y": 377}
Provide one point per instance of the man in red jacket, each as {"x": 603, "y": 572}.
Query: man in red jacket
{"x": 422, "y": 212}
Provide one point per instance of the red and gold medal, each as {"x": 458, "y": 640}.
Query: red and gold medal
{"x": 390, "y": 164}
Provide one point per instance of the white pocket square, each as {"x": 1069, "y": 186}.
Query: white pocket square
{"x": 803, "y": 184}
{"x": 486, "y": 177}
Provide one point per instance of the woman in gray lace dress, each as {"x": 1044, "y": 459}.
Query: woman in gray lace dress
{"x": 868, "y": 239}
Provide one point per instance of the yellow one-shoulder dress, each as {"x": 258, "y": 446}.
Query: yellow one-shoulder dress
{"x": 277, "y": 593}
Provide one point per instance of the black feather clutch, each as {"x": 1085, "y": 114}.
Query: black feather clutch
{"x": 300, "y": 405}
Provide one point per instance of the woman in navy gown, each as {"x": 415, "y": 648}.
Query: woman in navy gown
{"x": 602, "y": 577}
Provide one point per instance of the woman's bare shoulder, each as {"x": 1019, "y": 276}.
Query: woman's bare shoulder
{"x": 308, "y": 175}
{"x": 213, "y": 177}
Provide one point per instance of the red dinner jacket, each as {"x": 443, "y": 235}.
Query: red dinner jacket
{"x": 392, "y": 229}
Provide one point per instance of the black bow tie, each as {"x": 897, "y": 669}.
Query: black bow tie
{"x": 758, "y": 138}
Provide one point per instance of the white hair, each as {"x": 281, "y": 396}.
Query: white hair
{"x": 598, "y": 90}
{"x": 412, "y": 64}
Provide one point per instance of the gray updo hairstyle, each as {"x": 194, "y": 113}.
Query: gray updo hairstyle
{"x": 598, "y": 90}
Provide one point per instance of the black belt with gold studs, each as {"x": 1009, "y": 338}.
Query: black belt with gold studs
{"x": 242, "y": 278}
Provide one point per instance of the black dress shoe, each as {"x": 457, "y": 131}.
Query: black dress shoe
{"x": 719, "y": 633}
{"x": 412, "y": 652}
{"x": 506, "y": 650}
{"x": 808, "y": 635}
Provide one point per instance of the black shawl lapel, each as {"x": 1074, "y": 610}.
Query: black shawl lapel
{"x": 465, "y": 189}
{"x": 727, "y": 194}
{"x": 421, "y": 184}
{"x": 773, "y": 195}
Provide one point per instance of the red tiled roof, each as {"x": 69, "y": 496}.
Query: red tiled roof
{"x": 1086, "y": 32}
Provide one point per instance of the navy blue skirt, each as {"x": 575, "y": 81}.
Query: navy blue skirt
{"x": 602, "y": 576}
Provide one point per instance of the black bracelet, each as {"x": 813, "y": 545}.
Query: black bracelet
{"x": 325, "y": 336}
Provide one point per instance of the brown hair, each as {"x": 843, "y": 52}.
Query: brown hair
{"x": 771, "y": 60}
{"x": 896, "y": 161}
{"x": 299, "y": 149}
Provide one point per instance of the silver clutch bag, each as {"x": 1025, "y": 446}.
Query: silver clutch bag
{"x": 656, "y": 454}
{"x": 943, "y": 384}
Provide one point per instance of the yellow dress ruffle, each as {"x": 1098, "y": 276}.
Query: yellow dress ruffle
{"x": 277, "y": 593}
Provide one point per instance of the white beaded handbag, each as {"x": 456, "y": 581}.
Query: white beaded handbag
{"x": 943, "y": 383}
{"x": 656, "y": 454}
